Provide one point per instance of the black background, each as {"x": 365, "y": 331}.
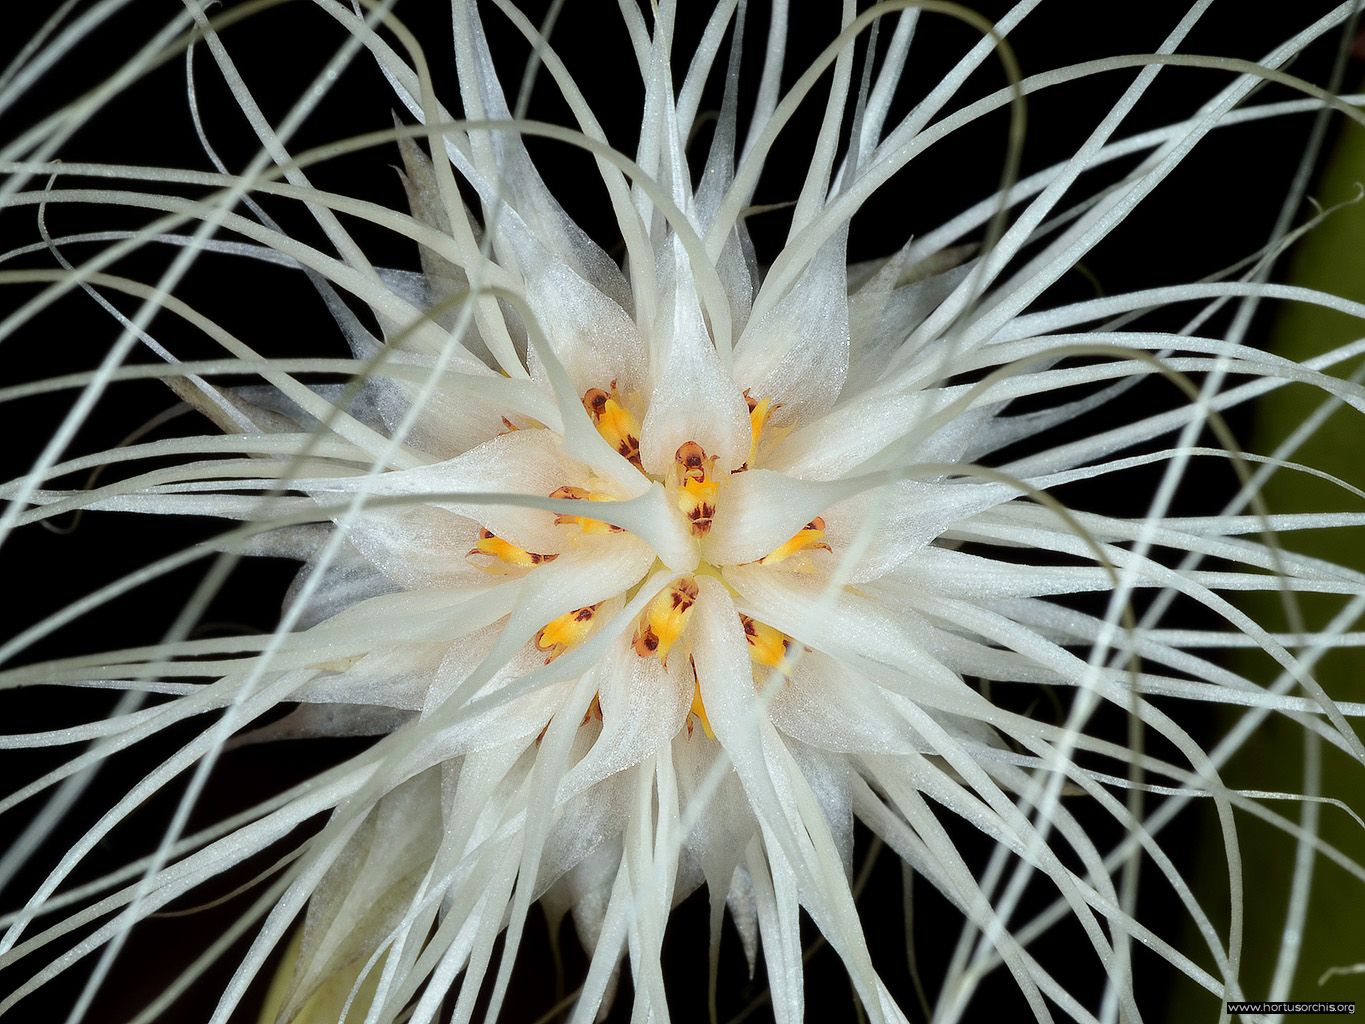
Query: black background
{"x": 1217, "y": 208}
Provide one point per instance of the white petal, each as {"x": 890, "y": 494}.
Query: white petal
{"x": 589, "y": 332}
{"x": 588, "y": 827}
{"x": 780, "y": 925}
{"x": 736, "y": 265}
{"x": 396, "y": 675}
{"x": 829, "y": 778}
{"x": 885, "y": 309}
{"x": 905, "y": 518}
{"x": 836, "y": 444}
{"x": 428, "y": 207}
{"x": 367, "y": 890}
{"x": 797, "y": 355}
{"x": 759, "y": 510}
{"x": 726, "y": 677}
{"x": 721, "y": 834}
{"x": 744, "y": 914}
{"x": 644, "y": 704}
{"x": 348, "y": 580}
{"x": 418, "y": 548}
{"x": 826, "y": 706}
{"x": 311, "y": 721}
{"x": 463, "y": 409}
{"x": 692, "y": 399}
{"x": 519, "y": 462}
{"x": 849, "y": 627}
{"x": 588, "y": 886}
{"x": 519, "y": 185}
{"x": 276, "y": 412}
{"x": 518, "y": 719}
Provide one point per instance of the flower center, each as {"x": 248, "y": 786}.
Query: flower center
{"x": 694, "y": 486}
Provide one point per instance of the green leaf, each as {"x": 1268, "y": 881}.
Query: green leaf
{"x": 1330, "y": 258}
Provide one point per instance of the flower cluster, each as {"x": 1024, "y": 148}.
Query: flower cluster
{"x": 659, "y": 573}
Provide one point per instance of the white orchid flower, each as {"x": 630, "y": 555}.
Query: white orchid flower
{"x": 677, "y": 569}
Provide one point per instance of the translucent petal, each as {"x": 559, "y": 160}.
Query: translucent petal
{"x": 692, "y": 398}
{"x": 368, "y": 888}
{"x": 528, "y": 461}
{"x": 644, "y": 704}
{"x": 797, "y": 355}
{"x": 721, "y": 835}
